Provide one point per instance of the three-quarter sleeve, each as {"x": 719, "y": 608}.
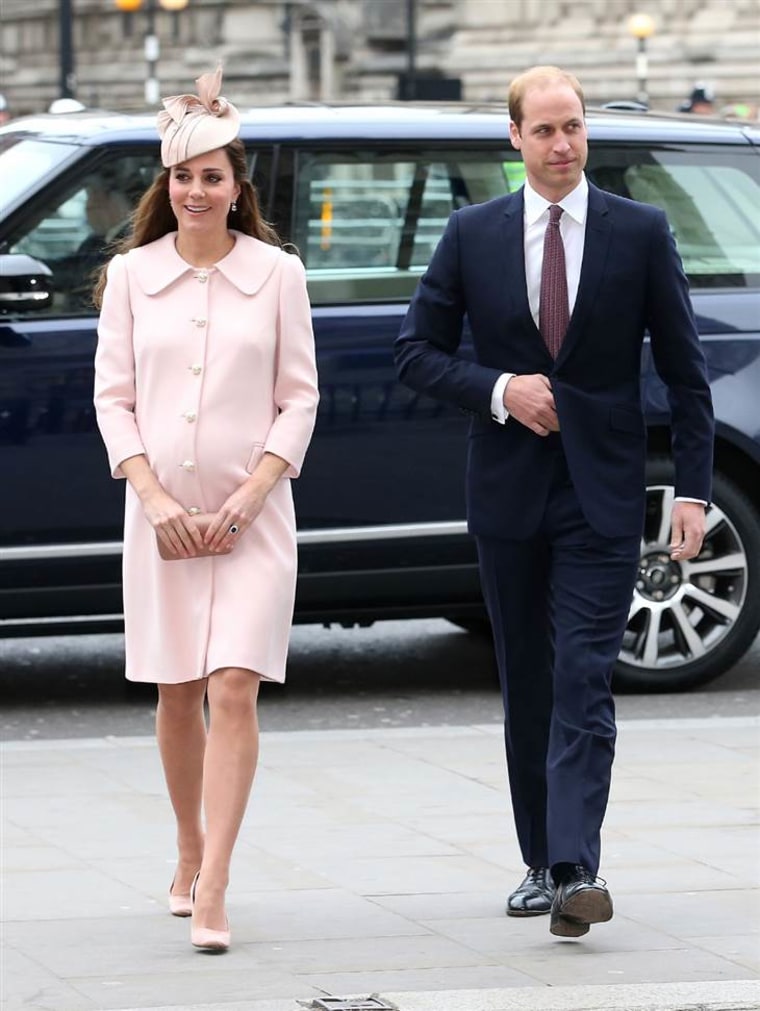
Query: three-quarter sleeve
{"x": 295, "y": 389}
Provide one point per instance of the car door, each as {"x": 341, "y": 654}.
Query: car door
{"x": 689, "y": 623}
{"x": 61, "y": 512}
{"x": 381, "y": 500}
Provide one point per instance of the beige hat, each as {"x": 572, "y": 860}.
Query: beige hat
{"x": 190, "y": 125}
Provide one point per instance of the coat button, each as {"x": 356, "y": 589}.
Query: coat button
{"x": 198, "y": 322}
{"x": 187, "y": 465}
{"x": 190, "y": 416}
{"x": 196, "y": 369}
{"x": 202, "y": 276}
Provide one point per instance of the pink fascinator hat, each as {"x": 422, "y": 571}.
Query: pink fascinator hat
{"x": 190, "y": 125}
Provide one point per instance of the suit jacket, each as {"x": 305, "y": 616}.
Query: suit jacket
{"x": 631, "y": 281}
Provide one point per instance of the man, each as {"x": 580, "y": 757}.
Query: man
{"x": 700, "y": 102}
{"x": 556, "y": 461}
{"x": 107, "y": 207}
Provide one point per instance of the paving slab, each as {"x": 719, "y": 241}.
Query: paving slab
{"x": 378, "y": 862}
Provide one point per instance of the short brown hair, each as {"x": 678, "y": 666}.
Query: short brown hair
{"x": 539, "y": 77}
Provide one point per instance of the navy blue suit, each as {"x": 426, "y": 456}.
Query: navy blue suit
{"x": 558, "y": 519}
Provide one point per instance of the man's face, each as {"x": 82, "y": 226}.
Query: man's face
{"x": 99, "y": 208}
{"x": 552, "y": 138}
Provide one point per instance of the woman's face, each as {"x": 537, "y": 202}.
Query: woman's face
{"x": 201, "y": 191}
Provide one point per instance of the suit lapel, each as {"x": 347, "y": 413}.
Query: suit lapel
{"x": 513, "y": 266}
{"x": 595, "y": 250}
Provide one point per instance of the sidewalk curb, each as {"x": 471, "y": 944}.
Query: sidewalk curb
{"x": 717, "y": 995}
{"x": 739, "y": 995}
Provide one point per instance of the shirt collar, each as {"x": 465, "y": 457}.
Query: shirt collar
{"x": 575, "y": 204}
{"x": 247, "y": 265}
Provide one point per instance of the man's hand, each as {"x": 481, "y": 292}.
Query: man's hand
{"x": 687, "y": 530}
{"x": 529, "y": 400}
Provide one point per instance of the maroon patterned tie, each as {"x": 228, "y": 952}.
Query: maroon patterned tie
{"x": 553, "y": 309}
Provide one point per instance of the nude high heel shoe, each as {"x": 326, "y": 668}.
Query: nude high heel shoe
{"x": 179, "y": 905}
{"x": 204, "y": 937}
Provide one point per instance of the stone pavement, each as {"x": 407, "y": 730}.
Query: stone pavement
{"x": 377, "y": 863}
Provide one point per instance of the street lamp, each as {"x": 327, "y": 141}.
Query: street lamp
{"x": 641, "y": 26}
{"x": 151, "y": 44}
{"x": 411, "y": 50}
{"x": 68, "y": 77}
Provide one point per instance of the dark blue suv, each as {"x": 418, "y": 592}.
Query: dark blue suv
{"x": 364, "y": 193}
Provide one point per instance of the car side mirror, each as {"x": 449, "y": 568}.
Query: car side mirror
{"x": 25, "y": 283}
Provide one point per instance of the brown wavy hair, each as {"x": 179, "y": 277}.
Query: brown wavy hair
{"x": 153, "y": 217}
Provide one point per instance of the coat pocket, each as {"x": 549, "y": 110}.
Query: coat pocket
{"x": 253, "y": 459}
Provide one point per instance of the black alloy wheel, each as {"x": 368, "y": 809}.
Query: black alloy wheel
{"x": 691, "y": 621}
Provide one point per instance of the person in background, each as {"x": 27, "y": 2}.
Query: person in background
{"x": 108, "y": 208}
{"x": 743, "y": 111}
{"x": 701, "y": 101}
{"x": 206, "y": 395}
{"x": 560, "y": 281}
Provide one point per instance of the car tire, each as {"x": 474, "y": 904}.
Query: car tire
{"x": 691, "y": 621}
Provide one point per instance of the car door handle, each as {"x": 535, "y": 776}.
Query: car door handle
{"x": 11, "y": 338}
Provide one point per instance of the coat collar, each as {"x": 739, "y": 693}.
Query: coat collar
{"x": 247, "y": 266}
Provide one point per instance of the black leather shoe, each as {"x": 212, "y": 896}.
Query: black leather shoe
{"x": 581, "y": 899}
{"x": 533, "y": 897}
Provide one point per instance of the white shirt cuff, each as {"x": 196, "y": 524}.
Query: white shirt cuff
{"x": 684, "y": 498}
{"x": 499, "y": 412}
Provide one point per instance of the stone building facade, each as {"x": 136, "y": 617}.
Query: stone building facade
{"x": 356, "y": 49}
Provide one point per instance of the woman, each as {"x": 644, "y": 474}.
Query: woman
{"x": 206, "y": 395}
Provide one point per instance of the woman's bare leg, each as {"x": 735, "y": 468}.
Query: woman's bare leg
{"x": 232, "y": 750}
{"x": 181, "y": 733}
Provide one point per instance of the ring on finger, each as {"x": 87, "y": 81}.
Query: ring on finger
{"x": 234, "y": 529}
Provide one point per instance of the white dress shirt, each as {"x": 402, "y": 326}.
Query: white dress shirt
{"x": 572, "y": 227}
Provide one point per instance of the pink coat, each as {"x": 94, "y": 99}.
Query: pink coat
{"x": 203, "y": 371}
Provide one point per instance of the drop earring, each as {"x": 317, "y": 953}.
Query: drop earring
{"x": 233, "y": 206}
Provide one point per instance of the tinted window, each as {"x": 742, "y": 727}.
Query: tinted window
{"x": 72, "y": 231}
{"x": 24, "y": 162}
{"x": 711, "y": 197}
{"x": 367, "y": 222}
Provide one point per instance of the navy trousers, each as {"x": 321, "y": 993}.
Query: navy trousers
{"x": 558, "y": 603}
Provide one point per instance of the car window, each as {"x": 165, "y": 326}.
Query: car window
{"x": 25, "y": 161}
{"x": 711, "y": 197}
{"x": 366, "y": 222}
{"x": 73, "y": 231}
